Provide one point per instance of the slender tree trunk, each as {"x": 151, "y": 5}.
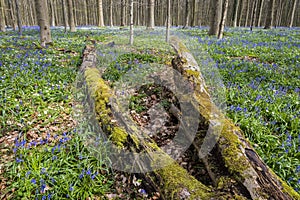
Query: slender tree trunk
{"x": 215, "y": 18}
{"x": 195, "y": 13}
{"x": 270, "y": 15}
{"x": 43, "y": 21}
{"x": 100, "y": 13}
{"x": 253, "y": 14}
{"x": 18, "y": 16}
{"x": 293, "y": 13}
{"x": 242, "y": 12}
{"x": 2, "y": 16}
{"x": 123, "y": 12}
{"x": 52, "y": 12}
{"x": 260, "y": 12}
{"x": 12, "y": 15}
{"x": 187, "y": 14}
{"x": 131, "y": 23}
{"x": 223, "y": 19}
{"x": 111, "y": 20}
{"x": 247, "y": 13}
{"x": 235, "y": 12}
{"x": 71, "y": 16}
{"x": 168, "y": 21}
{"x": 178, "y": 12}
{"x": 63, "y": 4}
{"x": 151, "y": 6}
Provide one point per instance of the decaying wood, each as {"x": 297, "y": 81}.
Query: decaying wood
{"x": 240, "y": 172}
{"x": 256, "y": 177}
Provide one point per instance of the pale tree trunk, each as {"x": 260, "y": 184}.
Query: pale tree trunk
{"x": 100, "y": 14}
{"x": 151, "y": 6}
{"x": 270, "y": 15}
{"x": 260, "y": 12}
{"x": 2, "y": 13}
{"x": 18, "y": 16}
{"x": 253, "y": 14}
{"x": 63, "y": 4}
{"x": 215, "y": 18}
{"x": 293, "y": 13}
{"x": 43, "y": 21}
{"x": 195, "y": 13}
{"x": 223, "y": 19}
{"x": 235, "y": 12}
{"x": 187, "y": 13}
{"x": 131, "y": 23}
{"x": 12, "y": 15}
{"x": 123, "y": 12}
{"x": 247, "y": 13}
{"x": 178, "y": 12}
{"x": 71, "y": 16}
{"x": 168, "y": 21}
{"x": 52, "y": 12}
{"x": 243, "y": 8}
{"x": 85, "y": 13}
{"x": 111, "y": 20}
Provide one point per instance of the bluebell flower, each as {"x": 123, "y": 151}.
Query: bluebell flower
{"x": 33, "y": 181}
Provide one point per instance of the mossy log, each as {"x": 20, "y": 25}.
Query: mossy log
{"x": 242, "y": 175}
{"x": 239, "y": 157}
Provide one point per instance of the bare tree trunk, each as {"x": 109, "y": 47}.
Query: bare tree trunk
{"x": 71, "y": 16}
{"x": 151, "y": 6}
{"x": 168, "y": 21}
{"x": 235, "y": 12}
{"x": 2, "y": 16}
{"x": 247, "y": 13}
{"x": 260, "y": 12}
{"x": 215, "y": 18}
{"x": 18, "y": 17}
{"x": 43, "y": 21}
{"x": 293, "y": 13}
{"x": 111, "y": 21}
{"x": 187, "y": 14}
{"x": 12, "y": 15}
{"x": 253, "y": 14}
{"x": 131, "y": 23}
{"x": 270, "y": 15}
{"x": 52, "y": 12}
{"x": 123, "y": 12}
{"x": 63, "y": 3}
{"x": 178, "y": 12}
{"x": 195, "y": 13}
{"x": 100, "y": 13}
{"x": 223, "y": 19}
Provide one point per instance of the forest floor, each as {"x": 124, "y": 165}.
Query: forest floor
{"x": 41, "y": 152}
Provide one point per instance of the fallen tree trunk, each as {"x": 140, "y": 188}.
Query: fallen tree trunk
{"x": 235, "y": 169}
{"x": 242, "y": 162}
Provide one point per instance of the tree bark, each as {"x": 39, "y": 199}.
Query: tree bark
{"x": 223, "y": 19}
{"x": 270, "y": 15}
{"x": 71, "y": 16}
{"x": 253, "y": 14}
{"x": 131, "y": 23}
{"x": 168, "y": 21}
{"x": 64, "y": 14}
{"x": 260, "y": 12}
{"x": 151, "y": 11}
{"x": 293, "y": 13}
{"x": 215, "y": 18}
{"x": 2, "y": 16}
{"x": 187, "y": 13}
{"x": 100, "y": 14}
{"x": 18, "y": 17}
{"x": 111, "y": 20}
{"x": 235, "y": 12}
{"x": 43, "y": 21}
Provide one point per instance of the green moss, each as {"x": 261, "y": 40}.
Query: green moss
{"x": 194, "y": 73}
{"x": 286, "y": 188}
{"x": 119, "y": 136}
{"x": 232, "y": 154}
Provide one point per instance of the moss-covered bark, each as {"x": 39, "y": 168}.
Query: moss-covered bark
{"x": 245, "y": 175}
